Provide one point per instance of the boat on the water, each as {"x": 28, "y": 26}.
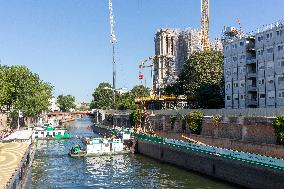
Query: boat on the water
{"x": 48, "y": 131}
{"x": 76, "y": 151}
{"x": 104, "y": 146}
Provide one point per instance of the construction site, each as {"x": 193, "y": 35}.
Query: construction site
{"x": 173, "y": 47}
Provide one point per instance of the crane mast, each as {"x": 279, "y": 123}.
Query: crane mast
{"x": 205, "y": 19}
{"x": 113, "y": 41}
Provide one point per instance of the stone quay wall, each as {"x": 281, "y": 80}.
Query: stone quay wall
{"x": 255, "y": 130}
{"x": 237, "y": 172}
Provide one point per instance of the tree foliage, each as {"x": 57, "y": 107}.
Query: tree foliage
{"x": 126, "y": 101}
{"x": 22, "y": 89}
{"x": 201, "y": 80}
{"x": 103, "y": 97}
{"x": 194, "y": 122}
{"x": 140, "y": 91}
{"x": 66, "y": 103}
{"x": 278, "y": 125}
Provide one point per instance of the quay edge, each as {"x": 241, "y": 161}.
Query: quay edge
{"x": 236, "y": 172}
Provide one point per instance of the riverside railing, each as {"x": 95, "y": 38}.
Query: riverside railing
{"x": 245, "y": 157}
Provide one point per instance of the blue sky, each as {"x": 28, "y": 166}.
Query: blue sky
{"x": 67, "y": 42}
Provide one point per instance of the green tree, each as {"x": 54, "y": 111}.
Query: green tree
{"x": 66, "y": 103}
{"x": 126, "y": 101}
{"x": 140, "y": 91}
{"x": 22, "y": 89}
{"x": 201, "y": 80}
{"x": 103, "y": 97}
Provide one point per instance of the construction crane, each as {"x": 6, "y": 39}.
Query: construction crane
{"x": 205, "y": 20}
{"x": 143, "y": 65}
{"x": 113, "y": 41}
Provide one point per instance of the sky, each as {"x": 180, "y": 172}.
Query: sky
{"x": 67, "y": 42}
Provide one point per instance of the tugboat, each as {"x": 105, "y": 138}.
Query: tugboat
{"x": 76, "y": 151}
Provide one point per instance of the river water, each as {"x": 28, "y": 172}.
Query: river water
{"x": 53, "y": 168}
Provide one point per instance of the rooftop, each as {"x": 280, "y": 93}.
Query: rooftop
{"x": 11, "y": 155}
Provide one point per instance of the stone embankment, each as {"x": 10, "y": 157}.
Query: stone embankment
{"x": 248, "y": 134}
{"x": 238, "y": 172}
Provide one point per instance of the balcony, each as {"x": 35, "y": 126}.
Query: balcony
{"x": 251, "y": 61}
{"x": 251, "y": 88}
{"x": 251, "y": 73}
{"x": 251, "y": 102}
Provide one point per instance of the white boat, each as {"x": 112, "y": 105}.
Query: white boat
{"x": 48, "y": 131}
{"x": 103, "y": 146}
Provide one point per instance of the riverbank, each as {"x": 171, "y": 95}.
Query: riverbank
{"x": 237, "y": 172}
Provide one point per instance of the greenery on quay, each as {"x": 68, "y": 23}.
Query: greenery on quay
{"x": 194, "y": 122}
{"x": 201, "y": 78}
{"x": 103, "y": 97}
{"x": 20, "y": 89}
{"x": 66, "y": 103}
{"x": 278, "y": 125}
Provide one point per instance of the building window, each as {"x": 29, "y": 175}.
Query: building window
{"x": 235, "y": 59}
{"x": 261, "y": 66}
{"x": 260, "y": 38}
{"x": 269, "y": 35}
{"x": 270, "y": 81}
{"x": 261, "y": 82}
{"x": 228, "y": 86}
{"x": 281, "y": 94}
{"x": 262, "y": 95}
{"x": 279, "y": 32}
{"x": 236, "y": 97}
{"x": 280, "y": 80}
{"x": 271, "y": 94}
{"x": 280, "y": 48}
{"x": 281, "y": 63}
{"x": 235, "y": 85}
{"x": 260, "y": 52}
{"x": 270, "y": 65}
{"x": 242, "y": 84}
{"x": 235, "y": 70}
{"x": 228, "y": 98}
{"x": 270, "y": 50}
{"x": 241, "y": 43}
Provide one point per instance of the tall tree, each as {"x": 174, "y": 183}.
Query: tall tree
{"x": 126, "y": 101}
{"x": 201, "y": 80}
{"x": 22, "y": 89}
{"x": 103, "y": 97}
{"x": 66, "y": 102}
{"x": 140, "y": 91}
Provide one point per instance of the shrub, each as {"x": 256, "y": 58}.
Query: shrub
{"x": 194, "y": 122}
{"x": 216, "y": 119}
{"x": 135, "y": 117}
{"x": 278, "y": 125}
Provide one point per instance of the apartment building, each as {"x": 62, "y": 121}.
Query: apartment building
{"x": 254, "y": 69}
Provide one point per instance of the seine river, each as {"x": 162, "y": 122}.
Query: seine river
{"x": 53, "y": 168}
